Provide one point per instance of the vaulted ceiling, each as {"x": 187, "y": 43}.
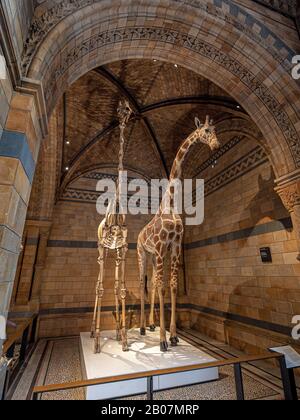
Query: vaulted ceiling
{"x": 165, "y": 99}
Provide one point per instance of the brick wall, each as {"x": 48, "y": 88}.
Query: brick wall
{"x": 231, "y": 291}
{"x": 231, "y": 296}
{"x": 71, "y": 269}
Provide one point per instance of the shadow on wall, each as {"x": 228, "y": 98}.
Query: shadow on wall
{"x": 254, "y": 297}
{"x": 246, "y": 287}
{"x": 266, "y": 203}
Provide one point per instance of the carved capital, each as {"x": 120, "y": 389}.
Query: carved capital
{"x": 289, "y": 191}
{"x": 290, "y": 196}
{"x": 288, "y": 188}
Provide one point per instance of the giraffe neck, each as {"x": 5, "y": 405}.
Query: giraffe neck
{"x": 176, "y": 171}
{"x": 112, "y": 214}
{"x": 167, "y": 204}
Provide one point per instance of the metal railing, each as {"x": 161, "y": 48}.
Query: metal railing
{"x": 288, "y": 378}
{"x": 24, "y": 334}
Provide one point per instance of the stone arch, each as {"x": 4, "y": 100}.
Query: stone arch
{"x": 105, "y": 35}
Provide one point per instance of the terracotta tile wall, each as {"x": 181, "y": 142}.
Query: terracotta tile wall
{"x": 224, "y": 268}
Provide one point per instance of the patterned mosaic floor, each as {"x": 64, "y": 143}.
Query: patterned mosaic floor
{"x": 58, "y": 361}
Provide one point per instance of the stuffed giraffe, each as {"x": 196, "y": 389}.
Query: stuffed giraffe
{"x": 164, "y": 233}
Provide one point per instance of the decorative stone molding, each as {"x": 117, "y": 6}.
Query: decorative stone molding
{"x": 288, "y": 188}
{"x": 35, "y": 89}
{"x": 222, "y": 9}
{"x": 21, "y": 85}
{"x": 192, "y": 43}
{"x": 249, "y": 162}
{"x": 289, "y": 191}
{"x": 290, "y": 196}
{"x": 287, "y": 7}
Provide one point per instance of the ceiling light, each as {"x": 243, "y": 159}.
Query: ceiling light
{"x": 67, "y": 168}
{"x": 176, "y": 65}
{"x": 238, "y": 107}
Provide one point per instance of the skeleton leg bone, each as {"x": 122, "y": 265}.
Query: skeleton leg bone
{"x": 93, "y": 329}
{"x": 123, "y": 297}
{"x": 117, "y": 291}
{"x": 99, "y": 293}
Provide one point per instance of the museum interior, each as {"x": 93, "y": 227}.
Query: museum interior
{"x": 84, "y": 80}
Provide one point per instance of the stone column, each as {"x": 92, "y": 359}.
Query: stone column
{"x": 19, "y": 148}
{"x": 288, "y": 188}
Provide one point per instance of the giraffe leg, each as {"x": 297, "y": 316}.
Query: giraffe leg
{"x": 142, "y": 273}
{"x": 123, "y": 297}
{"x": 100, "y": 293}
{"x": 159, "y": 285}
{"x": 117, "y": 291}
{"x": 176, "y": 252}
{"x": 153, "y": 293}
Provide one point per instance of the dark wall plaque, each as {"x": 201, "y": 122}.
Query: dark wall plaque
{"x": 266, "y": 255}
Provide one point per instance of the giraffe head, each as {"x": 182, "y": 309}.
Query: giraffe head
{"x": 206, "y": 133}
{"x": 124, "y": 112}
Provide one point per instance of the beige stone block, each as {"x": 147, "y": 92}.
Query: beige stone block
{"x": 12, "y": 209}
{"x": 5, "y": 295}
{"x": 291, "y": 258}
{"x": 9, "y": 240}
{"x": 22, "y": 102}
{"x": 8, "y": 264}
{"x": 22, "y": 184}
{"x": 8, "y": 170}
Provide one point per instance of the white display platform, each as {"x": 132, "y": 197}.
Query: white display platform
{"x": 144, "y": 355}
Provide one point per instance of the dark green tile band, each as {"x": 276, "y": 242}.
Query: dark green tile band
{"x": 79, "y": 244}
{"x": 275, "y": 226}
{"x": 265, "y": 325}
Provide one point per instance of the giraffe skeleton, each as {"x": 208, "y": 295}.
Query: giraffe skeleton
{"x": 112, "y": 235}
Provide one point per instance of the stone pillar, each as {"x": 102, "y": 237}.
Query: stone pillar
{"x": 288, "y": 188}
{"x": 19, "y": 148}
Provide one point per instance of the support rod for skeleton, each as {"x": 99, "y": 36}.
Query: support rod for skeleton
{"x": 93, "y": 329}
